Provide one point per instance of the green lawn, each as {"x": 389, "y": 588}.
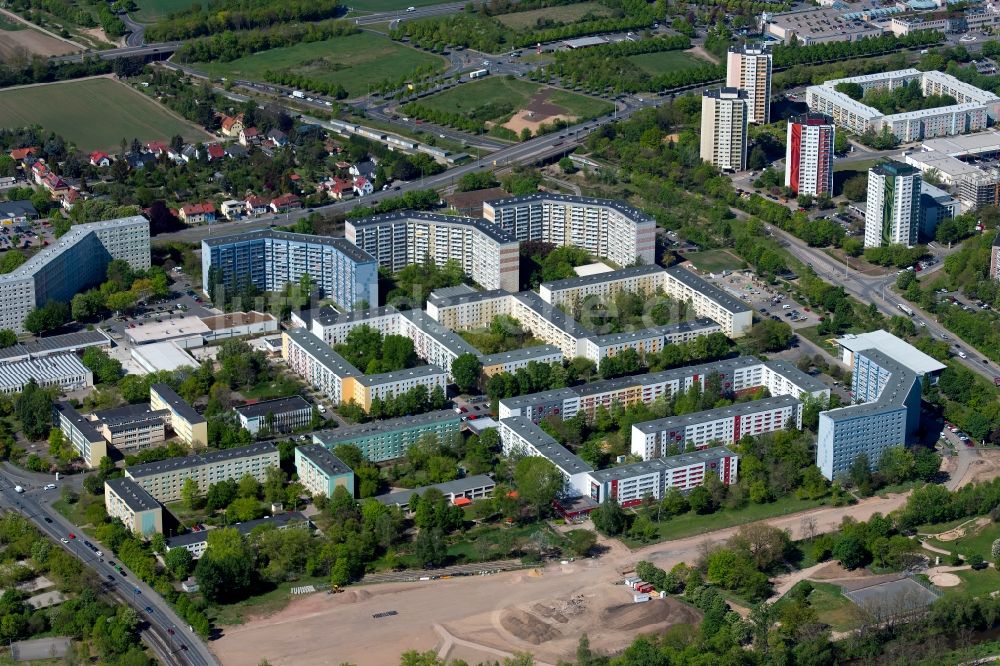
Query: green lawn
{"x": 715, "y": 261}
{"x": 980, "y": 542}
{"x": 564, "y": 14}
{"x": 976, "y": 583}
{"x": 690, "y": 524}
{"x": 281, "y": 387}
{"x": 10, "y": 25}
{"x": 812, "y": 334}
{"x": 151, "y": 11}
{"x": 94, "y": 114}
{"x": 656, "y": 63}
{"x": 860, "y": 166}
{"x": 831, "y": 606}
{"x": 266, "y": 603}
{"x": 511, "y": 93}
{"x": 354, "y": 61}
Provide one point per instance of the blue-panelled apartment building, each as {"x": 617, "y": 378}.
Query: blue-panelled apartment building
{"x": 886, "y": 413}
{"x": 269, "y": 259}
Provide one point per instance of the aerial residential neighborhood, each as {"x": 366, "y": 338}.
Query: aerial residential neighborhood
{"x": 546, "y": 332}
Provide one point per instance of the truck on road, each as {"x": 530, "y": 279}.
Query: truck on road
{"x": 18, "y": 489}
{"x": 298, "y": 94}
{"x": 478, "y": 73}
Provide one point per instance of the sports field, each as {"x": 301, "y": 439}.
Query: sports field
{"x": 560, "y": 14}
{"x": 354, "y": 61}
{"x": 151, "y": 11}
{"x": 94, "y": 114}
{"x": 666, "y": 61}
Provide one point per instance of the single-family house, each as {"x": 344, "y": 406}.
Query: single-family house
{"x": 69, "y": 198}
{"x": 236, "y": 151}
{"x": 285, "y": 203}
{"x": 189, "y": 153}
{"x": 140, "y": 160}
{"x": 19, "y": 154}
{"x": 198, "y": 213}
{"x": 363, "y": 187}
{"x": 257, "y": 206}
{"x": 249, "y": 136}
{"x": 99, "y": 159}
{"x": 364, "y": 169}
{"x": 157, "y": 148}
{"x": 215, "y": 151}
{"x": 343, "y": 166}
{"x": 233, "y": 209}
{"x": 277, "y": 138}
{"x": 54, "y": 184}
{"x": 39, "y": 171}
{"x": 232, "y": 125}
{"x": 337, "y": 188}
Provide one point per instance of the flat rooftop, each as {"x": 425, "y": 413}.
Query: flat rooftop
{"x": 553, "y": 315}
{"x": 699, "y": 284}
{"x": 418, "y": 372}
{"x": 164, "y": 356}
{"x": 54, "y": 368}
{"x": 525, "y": 354}
{"x": 130, "y": 414}
{"x": 493, "y": 231}
{"x": 224, "y": 321}
{"x": 331, "y": 438}
{"x": 81, "y": 423}
{"x": 177, "y": 403}
{"x": 341, "y": 244}
{"x": 547, "y": 197}
{"x": 966, "y": 144}
{"x": 448, "y": 300}
{"x": 55, "y": 344}
{"x": 292, "y": 403}
{"x": 895, "y": 348}
{"x": 738, "y": 409}
{"x": 197, "y": 460}
{"x": 456, "y": 487}
{"x": 134, "y": 495}
{"x": 545, "y": 444}
{"x": 892, "y": 396}
{"x": 168, "y": 329}
{"x": 704, "y": 456}
{"x": 606, "y": 277}
{"x": 654, "y": 332}
{"x": 454, "y": 342}
{"x": 323, "y": 353}
{"x": 327, "y": 316}
{"x": 321, "y": 456}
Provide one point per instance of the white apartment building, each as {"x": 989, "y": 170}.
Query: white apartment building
{"x": 809, "y": 154}
{"x": 72, "y": 263}
{"x": 749, "y": 68}
{"x": 892, "y": 212}
{"x": 646, "y": 341}
{"x": 520, "y": 436}
{"x": 712, "y": 427}
{"x": 548, "y": 323}
{"x": 431, "y": 341}
{"x": 724, "y": 116}
{"x": 165, "y": 479}
{"x": 646, "y": 280}
{"x": 462, "y": 312}
{"x": 603, "y": 227}
{"x": 709, "y": 301}
{"x": 332, "y": 327}
{"x": 487, "y": 254}
{"x": 629, "y": 484}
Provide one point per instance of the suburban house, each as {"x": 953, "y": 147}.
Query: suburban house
{"x": 69, "y": 198}
{"x": 157, "y": 148}
{"x": 99, "y": 159}
{"x": 363, "y": 187}
{"x": 232, "y": 126}
{"x": 249, "y": 136}
{"x": 189, "y": 152}
{"x": 277, "y": 138}
{"x": 139, "y": 160}
{"x": 257, "y": 206}
{"x": 233, "y": 209}
{"x": 236, "y": 151}
{"x": 336, "y": 188}
{"x": 215, "y": 151}
{"x": 198, "y": 213}
{"x": 285, "y": 202}
{"x": 364, "y": 170}
{"x": 19, "y": 154}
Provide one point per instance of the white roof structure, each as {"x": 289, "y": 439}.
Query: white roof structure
{"x": 168, "y": 329}
{"x": 158, "y": 356}
{"x": 966, "y": 144}
{"x": 898, "y": 350}
{"x": 592, "y": 269}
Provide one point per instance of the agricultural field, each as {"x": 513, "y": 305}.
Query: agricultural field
{"x": 355, "y": 62}
{"x": 563, "y": 14}
{"x": 151, "y": 11}
{"x": 94, "y": 114}
{"x": 655, "y": 64}
{"x": 18, "y": 40}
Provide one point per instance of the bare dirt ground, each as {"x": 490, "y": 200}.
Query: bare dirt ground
{"x": 538, "y": 112}
{"x": 985, "y": 468}
{"x": 700, "y": 52}
{"x": 945, "y": 580}
{"x": 74, "y": 47}
{"x": 31, "y": 42}
{"x": 965, "y": 528}
{"x": 465, "y": 615}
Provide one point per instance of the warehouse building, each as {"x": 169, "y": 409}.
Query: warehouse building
{"x": 55, "y": 344}
{"x": 817, "y": 25}
{"x": 62, "y": 371}
{"x": 321, "y": 472}
{"x": 390, "y": 439}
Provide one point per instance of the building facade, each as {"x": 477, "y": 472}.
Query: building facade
{"x": 281, "y": 415}
{"x": 809, "y": 154}
{"x": 733, "y": 315}
{"x": 487, "y": 254}
{"x": 892, "y": 212}
{"x": 603, "y": 227}
{"x": 81, "y": 433}
{"x": 995, "y": 258}
{"x": 629, "y": 484}
{"x": 62, "y": 371}
{"x": 321, "y": 472}
{"x": 390, "y": 439}
{"x": 749, "y": 68}
{"x": 130, "y": 503}
{"x": 269, "y": 259}
{"x": 74, "y": 262}
{"x": 182, "y": 418}
{"x": 724, "y": 116}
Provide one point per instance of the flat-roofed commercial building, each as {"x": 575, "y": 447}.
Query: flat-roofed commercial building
{"x": 130, "y": 503}
{"x": 55, "y": 344}
{"x": 749, "y": 67}
{"x": 321, "y": 472}
{"x": 817, "y": 25}
{"x": 709, "y": 301}
{"x": 724, "y": 115}
{"x": 724, "y": 425}
{"x": 81, "y": 433}
{"x": 886, "y": 415}
{"x": 182, "y": 418}
{"x": 487, "y": 254}
{"x": 74, "y": 262}
{"x": 629, "y": 484}
{"x": 603, "y": 227}
{"x": 520, "y": 436}
{"x": 460, "y": 492}
{"x": 165, "y": 479}
{"x": 269, "y": 259}
{"x": 281, "y": 415}
{"x": 390, "y": 439}
{"x": 197, "y": 542}
{"x": 62, "y": 371}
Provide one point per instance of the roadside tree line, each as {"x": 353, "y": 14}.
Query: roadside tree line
{"x": 230, "y": 45}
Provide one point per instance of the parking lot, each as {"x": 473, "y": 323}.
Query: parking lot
{"x": 35, "y": 234}
{"x": 767, "y": 300}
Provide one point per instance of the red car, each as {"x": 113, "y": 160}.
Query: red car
{"x": 72, "y": 536}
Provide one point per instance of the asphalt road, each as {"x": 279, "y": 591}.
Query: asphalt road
{"x": 35, "y": 504}
{"x": 417, "y": 13}
{"x": 122, "y": 52}
{"x": 136, "y": 31}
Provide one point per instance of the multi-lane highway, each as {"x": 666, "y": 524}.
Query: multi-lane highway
{"x": 164, "y": 631}
{"x": 163, "y": 49}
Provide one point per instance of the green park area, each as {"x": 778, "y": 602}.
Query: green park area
{"x": 978, "y": 539}
{"x": 357, "y": 62}
{"x": 655, "y": 64}
{"x": 505, "y": 95}
{"x": 93, "y": 114}
{"x": 563, "y": 14}
{"x": 151, "y": 11}
{"x": 715, "y": 261}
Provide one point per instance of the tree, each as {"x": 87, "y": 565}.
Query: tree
{"x": 581, "y": 541}
{"x": 465, "y": 369}
{"x": 430, "y": 548}
{"x": 8, "y": 338}
{"x": 538, "y": 482}
{"x": 93, "y": 485}
{"x": 768, "y": 335}
{"x": 190, "y": 494}
{"x": 700, "y": 500}
{"x": 106, "y": 370}
{"x": 33, "y": 409}
{"x": 50, "y": 316}
{"x": 850, "y": 551}
{"x": 609, "y": 518}
{"x": 244, "y": 509}
{"x": 856, "y": 187}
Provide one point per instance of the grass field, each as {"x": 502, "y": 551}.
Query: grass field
{"x": 94, "y": 114}
{"x": 354, "y": 61}
{"x": 715, "y": 261}
{"x": 980, "y": 542}
{"x": 560, "y": 14}
{"x": 151, "y": 11}
{"x": 10, "y": 25}
{"x": 657, "y": 63}
{"x": 976, "y": 583}
{"x": 469, "y": 97}
{"x": 831, "y": 606}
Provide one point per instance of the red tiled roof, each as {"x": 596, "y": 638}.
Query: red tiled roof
{"x": 98, "y": 156}
{"x": 250, "y": 131}
{"x": 284, "y": 200}
{"x": 257, "y": 202}
{"x": 198, "y": 209}
{"x": 229, "y": 121}
{"x": 21, "y": 153}
{"x": 157, "y": 147}
{"x": 215, "y": 150}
